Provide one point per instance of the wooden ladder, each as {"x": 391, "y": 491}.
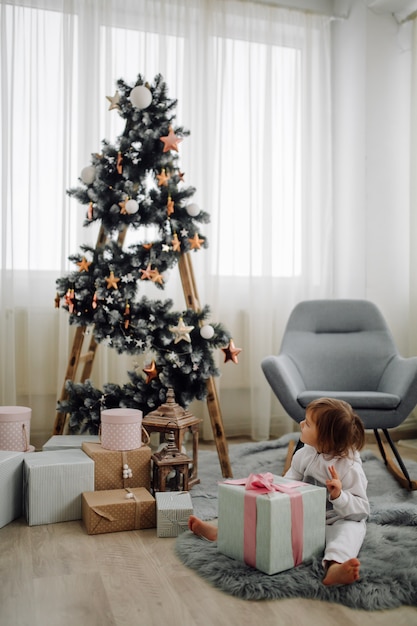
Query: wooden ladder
{"x": 77, "y": 357}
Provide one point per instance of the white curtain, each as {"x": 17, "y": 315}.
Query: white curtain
{"x": 253, "y": 87}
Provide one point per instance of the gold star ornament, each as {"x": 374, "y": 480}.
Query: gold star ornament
{"x": 151, "y": 372}
{"x": 114, "y": 101}
{"x": 84, "y": 264}
{"x": 231, "y": 352}
{"x": 170, "y": 141}
{"x": 112, "y": 281}
{"x": 181, "y": 332}
{"x": 163, "y": 179}
{"x": 195, "y": 242}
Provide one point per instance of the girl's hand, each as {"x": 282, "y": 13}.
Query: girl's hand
{"x": 334, "y": 485}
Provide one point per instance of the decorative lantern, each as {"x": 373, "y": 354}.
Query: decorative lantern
{"x": 170, "y": 468}
{"x": 170, "y": 417}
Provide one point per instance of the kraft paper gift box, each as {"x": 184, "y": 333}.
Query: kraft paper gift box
{"x": 53, "y": 482}
{"x": 63, "y": 442}
{"x": 271, "y": 530}
{"x": 108, "y": 467}
{"x": 11, "y": 481}
{"x": 118, "y": 510}
{"x": 173, "y": 508}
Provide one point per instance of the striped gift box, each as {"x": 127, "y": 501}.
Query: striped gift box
{"x": 63, "y": 442}
{"x": 53, "y": 482}
{"x": 173, "y": 508}
{"x": 11, "y": 465}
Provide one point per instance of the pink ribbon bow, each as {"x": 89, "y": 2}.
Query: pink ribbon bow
{"x": 257, "y": 484}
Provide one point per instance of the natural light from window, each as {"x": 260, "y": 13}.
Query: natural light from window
{"x": 256, "y": 156}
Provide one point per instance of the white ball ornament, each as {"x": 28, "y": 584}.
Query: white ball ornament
{"x": 193, "y": 209}
{"x": 88, "y": 174}
{"x": 207, "y": 331}
{"x": 140, "y": 97}
{"x": 131, "y": 207}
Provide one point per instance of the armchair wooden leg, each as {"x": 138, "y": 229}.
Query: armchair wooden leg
{"x": 402, "y": 476}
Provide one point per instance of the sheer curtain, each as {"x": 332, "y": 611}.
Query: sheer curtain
{"x": 253, "y": 86}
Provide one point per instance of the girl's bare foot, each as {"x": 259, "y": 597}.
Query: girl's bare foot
{"x": 203, "y": 529}
{"x": 342, "y": 573}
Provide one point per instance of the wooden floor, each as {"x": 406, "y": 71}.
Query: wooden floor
{"x": 57, "y": 575}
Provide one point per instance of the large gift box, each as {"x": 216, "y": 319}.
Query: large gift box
{"x": 115, "y": 469}
{"x": 270, "y": 522}
{"x": 11, "y": 472}
{"x": 117, "y": 510}
{"x": 53, "y": 482}
{"x": 63, "y": 442}
{"x": 173, "y": 508}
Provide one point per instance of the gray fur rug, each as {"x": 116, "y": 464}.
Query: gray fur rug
{"x": 388, "y": 555}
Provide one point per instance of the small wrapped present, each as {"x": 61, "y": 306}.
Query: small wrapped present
{"x": 117, "y": 510}
{"x": 270, "y": 522}
{"x": 53, "y": 482}
{"x": 11, "y": 473}
{"x": 63, "y": 442}
{"x": 173, "y": 508}
{"x": 115, "y": 469}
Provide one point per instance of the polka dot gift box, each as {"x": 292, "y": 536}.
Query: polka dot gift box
{"x": 118, "y": 469}
{"x": 15, "y": 428}
{"x": 118, "y": 510}
{"x": 121, "y": 429}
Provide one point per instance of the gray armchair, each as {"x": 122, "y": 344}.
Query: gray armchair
{"x": 344, "y": 349}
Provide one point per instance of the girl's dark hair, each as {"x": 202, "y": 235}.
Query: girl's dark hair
{"x": 339, "y": 429}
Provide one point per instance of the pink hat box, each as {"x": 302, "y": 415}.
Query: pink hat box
{"x": 15, "y": 428}
{"x": 121, "y": 429}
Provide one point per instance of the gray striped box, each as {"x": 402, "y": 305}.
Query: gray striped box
{"x": 11, "y": 471}
{"x": 173, "y": 508}
{"x": 53, "y": 481}
{"x": 63, "y": 442}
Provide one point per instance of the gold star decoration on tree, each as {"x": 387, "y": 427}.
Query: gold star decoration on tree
{"x": 157, "y": 277}
{"x": 84, "y": 264}
{"x": 112, "y": 281}
{"x": 181, "y": 331}
{"x": 231, "y": 352}
{"x": 151, "y": 372}
{"x": 162, "y": 179}
{"x": 171, "y": 141}
{"x": 122, "y": 206}
{"x": 114, "y": 101}
{"x": 147, "y": 273}
{"x": 195, "y": 242}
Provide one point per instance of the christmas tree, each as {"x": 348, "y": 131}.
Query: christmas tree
{"x": 137, "y": 183}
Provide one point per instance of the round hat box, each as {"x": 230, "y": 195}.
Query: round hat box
{"x": 121, "y": 429}
{"x": 15, "y": 428}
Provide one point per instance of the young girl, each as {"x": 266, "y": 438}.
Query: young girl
{"x": 332, "y": 434}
